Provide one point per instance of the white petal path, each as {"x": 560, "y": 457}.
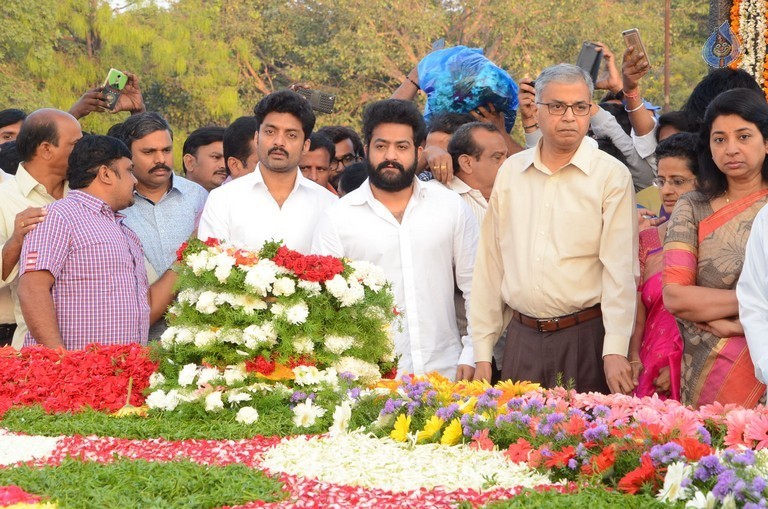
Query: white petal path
{"x": 356, "y": 459}
{"x": 15, "y": 448}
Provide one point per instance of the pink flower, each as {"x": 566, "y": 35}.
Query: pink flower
{"x": 736, "y": 421}
{"x": 716, "y": 411}
{"x": 757, "y": 429}
{"x": 682, "y": 420}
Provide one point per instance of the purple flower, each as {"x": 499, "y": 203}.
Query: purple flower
{"x": 573, "y": 464}
{"x": 555, "y": 418}
{"x": 347, "y": 376}
{"x": 758, "y": 486}
{"x": 601, "y": 411}
{"x": 535, "y": 404}
{"x": 515, "y": 403}
{"x": 596, "y": 433}
{"x": 493, "y": 393}
{"x": 485, "y": 402}
{"x": 447, "y": 413}
{"x": 412, "y": 407}
{"x": 391, "y": 406}
{"x": 666, "y": 454}
{"x": 353, "y": 393}
{"x": 704, "y": 435}
{"x": 298, "y": 396}
{"x": 725, "y": 482}
{"x": 709, "y": 466}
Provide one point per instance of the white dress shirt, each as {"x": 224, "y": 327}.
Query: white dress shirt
{"x": 420, "y": 256}
{"x": 245, "y": 214}
{"x": 752, "y": 294}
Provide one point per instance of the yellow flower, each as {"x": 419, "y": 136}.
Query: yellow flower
{"x": 468, "y": 406}
{"x": 452, "y": 433}
{"x": 431, "y": 427}
{"x": 128, "y": 410}
{"x": 402, "y": 425}
{"x": 512, "y": 389}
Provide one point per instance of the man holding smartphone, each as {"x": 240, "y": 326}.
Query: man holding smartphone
{"x": 560, "y": 234}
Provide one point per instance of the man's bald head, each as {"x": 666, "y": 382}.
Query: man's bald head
{"x": 44, "y": 126}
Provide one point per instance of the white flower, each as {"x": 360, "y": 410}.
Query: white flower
{"x": 224, "y": 264}
{"x": 307, "y": 375}
{"x": 187, "y": 375}
{"x": 208, "y": 375}
{"x": 247, "y": 415}
{"x": 297, "y": 313}
{"x": 303, "y": 344}
{"x": 330, "y": 376}
{"x": 369, "y": 274}
{"x": 701, "y": 501}
{"x": 260, "y": 335}
{"x": 231, "y": 336}
{"x": 673, "y": 489}
{"x": 213, "y": 402}
{"x": 338, "y": 344}
{"x": 337, "y": 286}
{"x": 167, "y": 337}
{"x": 277, "y": 309}
{"x": 341, "y": 417}
{"x": 305, "y": 414}
{"x": 249, "y": 303}
{"x": 205, "y": 338}
{"x": 260, "y": 276}
{"x": 355, "y": 294}
{"x": 235, "y": 373}
{"x": 188, "y": 296}
{"x": 160, "y": 400}
{"x": 365, "y": 372}
{"x": 238, "y": 396}
{"x": 198, "y": 262}
{"x": 313, "y": 288}
{"x": 184, "y": 336}
{"x": 284, "y": 286}
{"x": 156, "y": 379}
{"x": 206, "y": 303}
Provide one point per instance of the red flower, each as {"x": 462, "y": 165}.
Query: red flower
{"x": 601, "y": 462}
{"x": 643, "y": 475}
{"x": 211, "y": 242}
{"x": 300, "y": 361}
{"x": 260, "y": 365}
{"x": 180, "y": 251}
{"x": 520, "y": 451}
{"x": 481, "y": 442}
{"x": 560, "y": 459}
{"x": 693, "y": 449}
{"x": 314, "y": 268}
{"x": 391, "y": 374}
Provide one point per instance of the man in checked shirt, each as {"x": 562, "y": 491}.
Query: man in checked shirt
{"x": 83, "y": 278}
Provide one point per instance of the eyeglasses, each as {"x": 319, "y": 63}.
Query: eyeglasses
{"x": 344, "y": 161}
{"x": 579, "y": 109}
{"x": 675, "y": 182}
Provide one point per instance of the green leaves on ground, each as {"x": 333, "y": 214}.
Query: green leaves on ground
{"x": 181, "y": 484}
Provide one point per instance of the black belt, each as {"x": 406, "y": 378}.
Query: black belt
{"x": 6, "y": 333}
{"x": 558, "y": 322}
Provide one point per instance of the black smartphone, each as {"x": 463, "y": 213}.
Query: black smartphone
{"x": 113, "y": 87}
{"x": 590, "y": 58}
{"x": 320, "y": 101}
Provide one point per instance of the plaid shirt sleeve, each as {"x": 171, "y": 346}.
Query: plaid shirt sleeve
{"x": 46, "y": 247}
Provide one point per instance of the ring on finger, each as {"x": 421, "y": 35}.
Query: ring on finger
{"x": 22, "y": 224}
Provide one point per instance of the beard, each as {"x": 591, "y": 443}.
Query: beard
{"x": 389, "y": 181}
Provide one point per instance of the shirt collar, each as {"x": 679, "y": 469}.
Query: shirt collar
{"x": 95, "y": 204}
{"x": 364, "y": 194}
{"x": 258, "y": 178}
{"x": 25, "y": 181}
{"x": 458, "y": 185}
{"x": 581, "y": 159}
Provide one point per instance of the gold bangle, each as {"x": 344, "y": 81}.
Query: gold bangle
{"x": 635, "y": 362}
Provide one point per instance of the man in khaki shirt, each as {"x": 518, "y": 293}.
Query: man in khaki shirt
{"x": 44, "y": 143}
{"x": 557, "y": 259}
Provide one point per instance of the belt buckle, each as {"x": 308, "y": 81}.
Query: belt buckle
{"x": 540, "y": 323}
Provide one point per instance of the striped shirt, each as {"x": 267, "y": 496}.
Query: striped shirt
{"x": 100, "y": 289}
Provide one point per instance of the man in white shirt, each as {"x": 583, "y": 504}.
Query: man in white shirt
{"x": 423, "y": 236}
{"x": 752, "y": 294}
{"x": 275, "y": 202}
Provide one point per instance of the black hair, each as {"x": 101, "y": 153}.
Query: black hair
{"x": 337, "y": 133}
{"x": 200, "y": 138}
{"x": 115, "y": 131}
{"x": 448, "y": 122}
{"x": 463, "y": 142}
{"x": 138, "y": 126}
{"x": 394, "y": 111}
{"x": 713, "y": 84}
{"x": 619, "y": 113}
{"x": 89, "y": 154}
{"x": 286, "y": 101}
{"x": 682, "y": 145}
{"x": 748, "y": 104}
{"x": 11, "y": 116}
{"x": 353, "y": 176}
{"x": 318, "y": 141}
{"x": 676, "y": 119}
{"x": 237, "y": 139}
{"x": 606, "y": 145}
{"x": 34, "y": 132}
{"x": 9, "y": 157}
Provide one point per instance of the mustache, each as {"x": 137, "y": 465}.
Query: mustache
{"x": 160, "y": 166}
{"x": 277, "y": 149}
{"x": 394, "y": 164}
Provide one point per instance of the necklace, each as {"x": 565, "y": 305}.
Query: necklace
{"x": 727, "y": 200}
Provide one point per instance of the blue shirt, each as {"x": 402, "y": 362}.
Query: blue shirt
{"x": 165, "y": 225}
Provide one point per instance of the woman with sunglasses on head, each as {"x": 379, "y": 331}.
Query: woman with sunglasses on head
{"x": 656, "y": 347}
{"x": 704, "y": 251}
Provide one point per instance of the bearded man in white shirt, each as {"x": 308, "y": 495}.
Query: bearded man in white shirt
{"x": 421, "y": 235}
{"x": 557, "y": 258}
{"x": 275, "y": 202}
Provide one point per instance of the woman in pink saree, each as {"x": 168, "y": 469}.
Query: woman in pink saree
{"x": 704, "y": 251}
{"x": 656, "y": 348}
